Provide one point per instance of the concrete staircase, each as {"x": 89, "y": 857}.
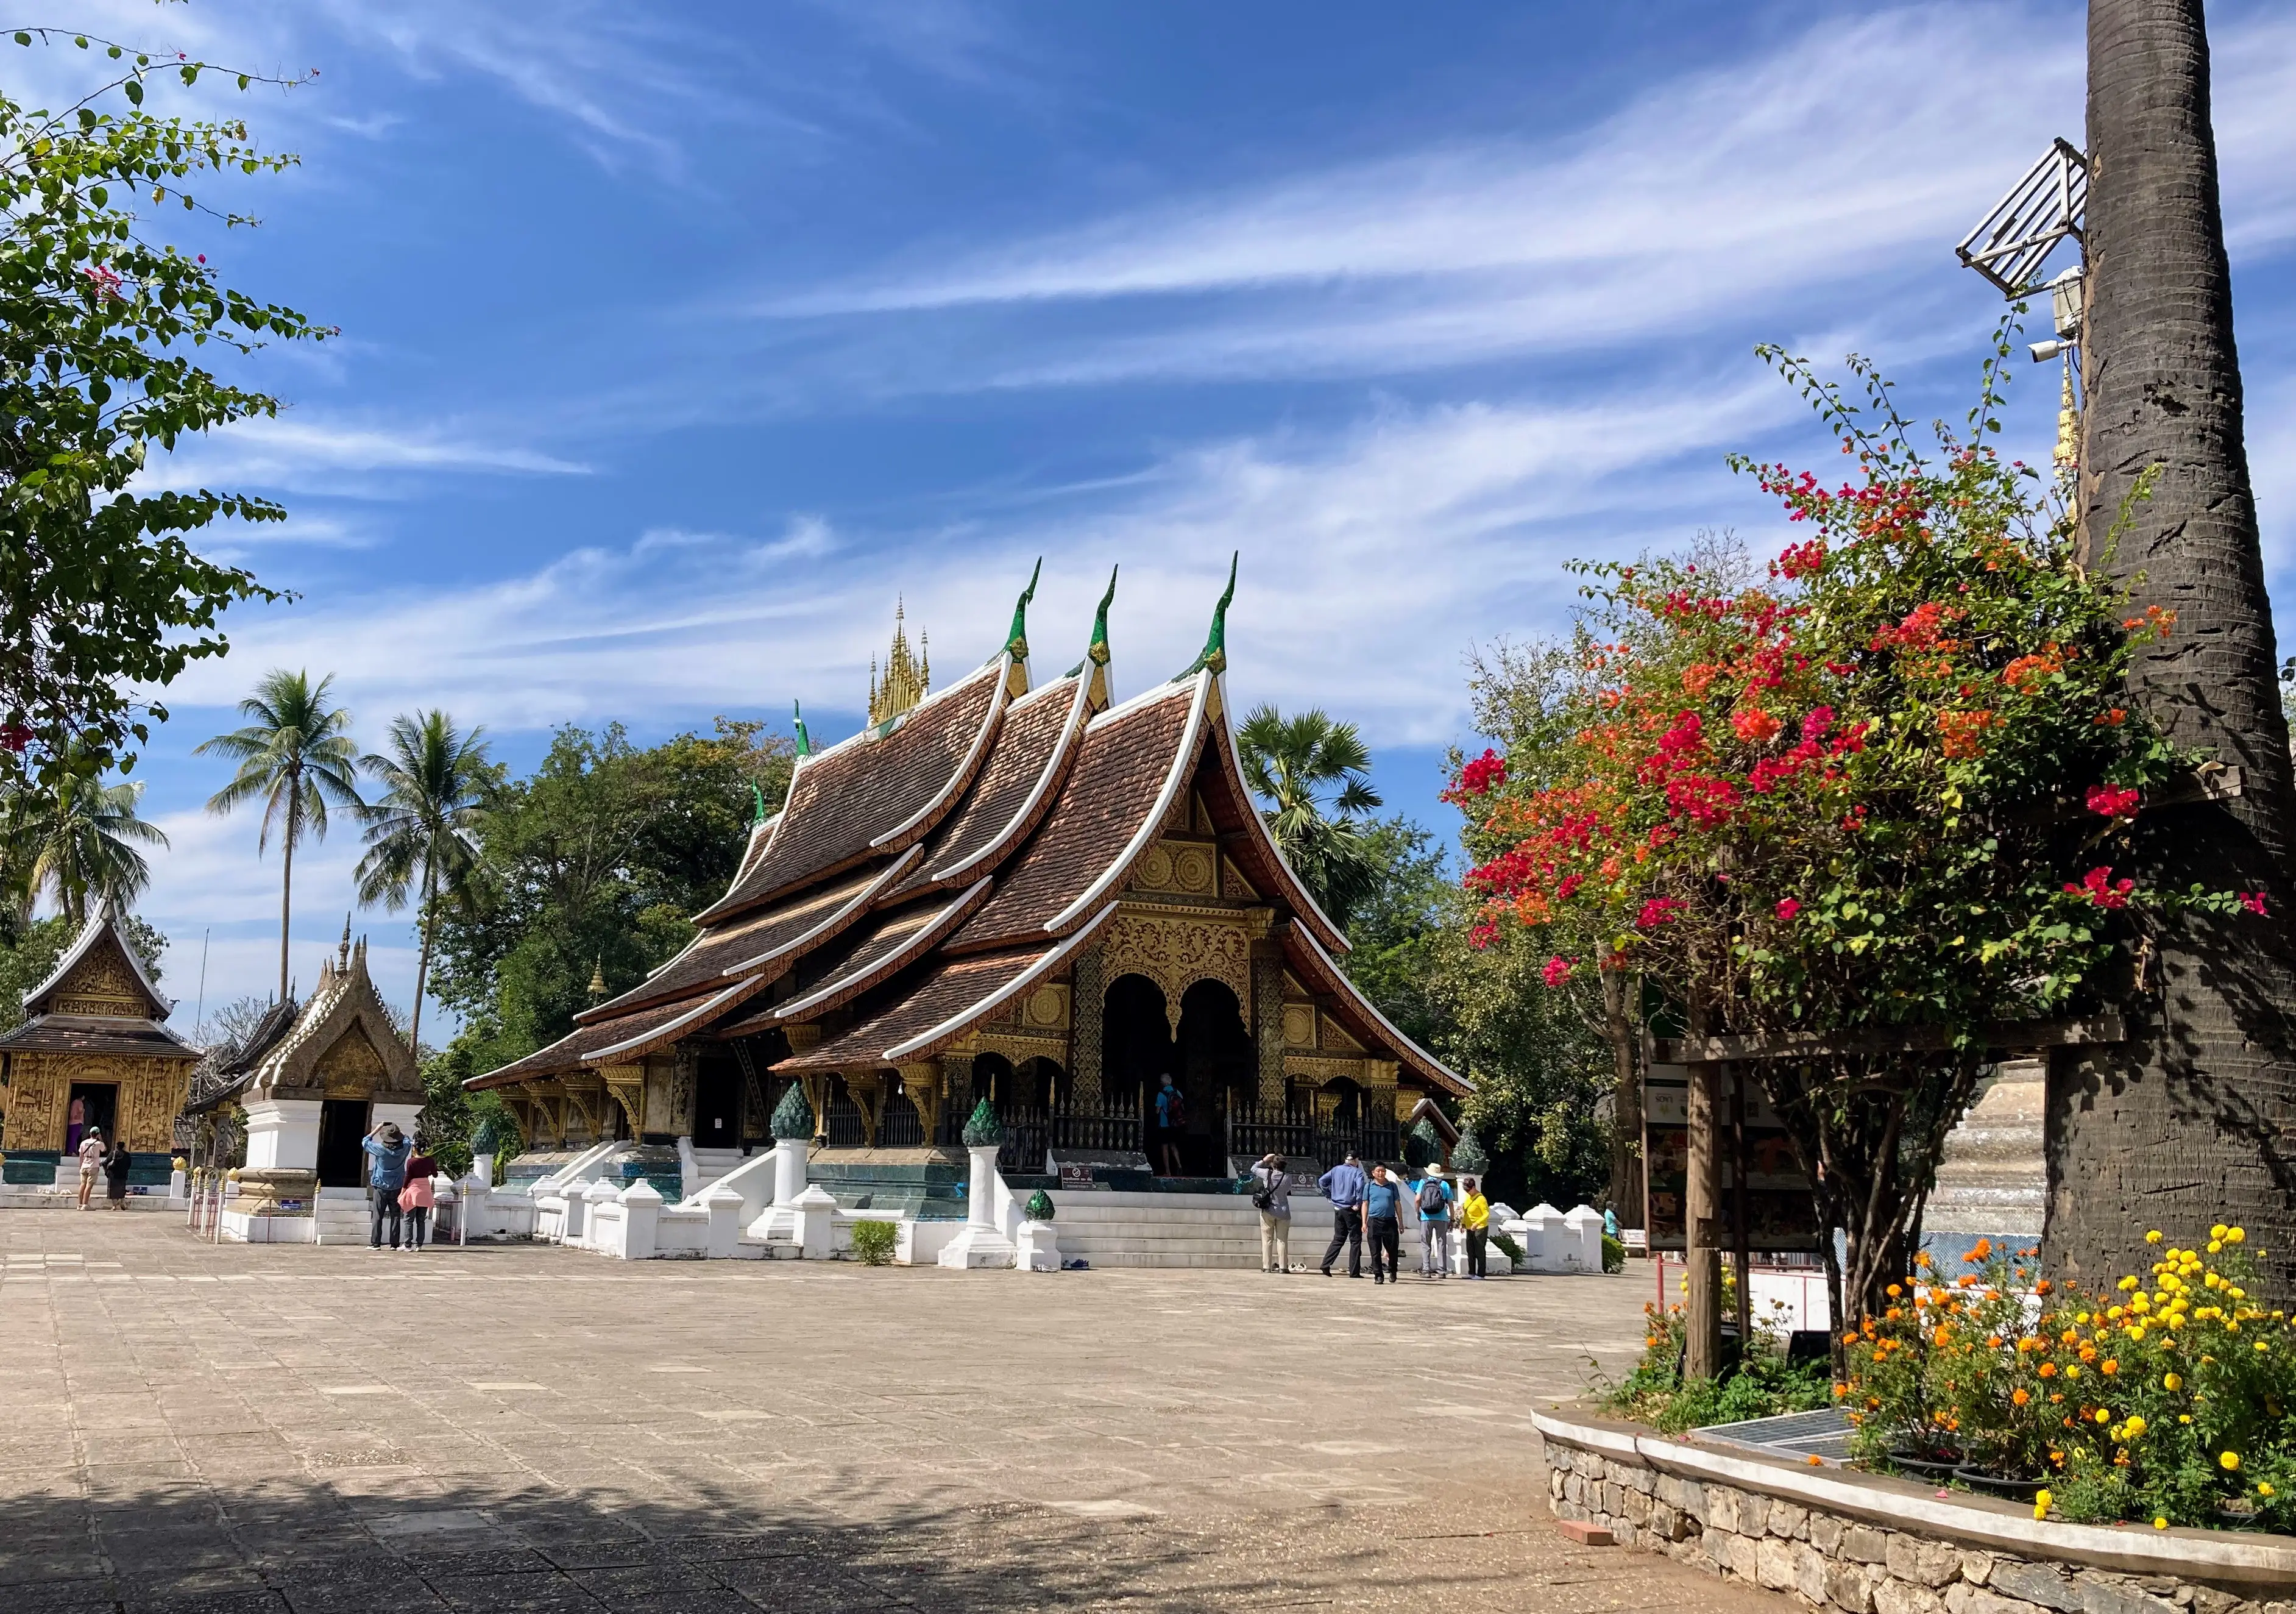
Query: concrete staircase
{"x": 1189, "y": 1230}
{"x": 710, "y": 1165}
{"x": 1993, "y": 1179}
{"x": 341, "y": 1216}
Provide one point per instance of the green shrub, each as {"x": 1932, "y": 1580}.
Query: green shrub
{"x": 1614, "y": 1255}
{"x": 1505, "y": 1243}
{"x": 1764, "y": 1384}
{"x": 873, "y": 1241}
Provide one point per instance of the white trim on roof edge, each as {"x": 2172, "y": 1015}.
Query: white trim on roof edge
{"x": 1020, "y": 983}
{"x": 1070, "y": 731}
{"x": 867, "y": 893}
{"x": 1372, "y": 1008}
{"x": 926, "y": 935}
{"x": 1299, "y": 890}
{"x": 962, "y": 778}
{"x": 104, "y": 920}
{"x": 1183, "y": 759}
{"x": 669, "y": 1028}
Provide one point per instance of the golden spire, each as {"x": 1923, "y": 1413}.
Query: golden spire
{"x": 2068, "y": 452}
{"x": 907, "y": 676}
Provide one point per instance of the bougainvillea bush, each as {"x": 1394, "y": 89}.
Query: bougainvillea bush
{"x": 2168, "y": 1399}
{"x": 1879, "y": 790}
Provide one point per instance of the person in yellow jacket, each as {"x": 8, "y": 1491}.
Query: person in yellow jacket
{"x": 1475, "y": 1217}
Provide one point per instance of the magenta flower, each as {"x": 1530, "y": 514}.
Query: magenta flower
{"x": 1788, "y": 907}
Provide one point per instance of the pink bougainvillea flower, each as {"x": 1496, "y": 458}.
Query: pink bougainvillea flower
{"x": 2099, "y": 887}
{"x": 1788, "y": 907}
{"x": 2112, "y": 801}
{"x": 1813, "y": 726}
{"x": 1658, "y": 911}
{"x": 1558, "y": 970}
{"x": 2253, "y": 901}
{"x": 1482, "y": 936}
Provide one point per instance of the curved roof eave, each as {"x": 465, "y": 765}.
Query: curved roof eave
{"x": 928, "y": 1042}
{"x": 843, "y": 989}
{"x": 1295, "y": 893}
{"x": 917, "y": 824}
{"x": 1335, "y": 982}
{"x": 1184, "y": 762}
{"x": 1040, "y": 797}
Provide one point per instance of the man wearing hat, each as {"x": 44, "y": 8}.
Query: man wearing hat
{"x": 1434, "y": 1203}
{"x": 386, "y": 1147}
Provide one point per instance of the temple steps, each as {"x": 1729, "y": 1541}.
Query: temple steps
{"x": 711, "y": 1163}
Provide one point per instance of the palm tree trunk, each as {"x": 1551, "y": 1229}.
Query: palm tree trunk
{"x": 2183, "y": 1125}
{"x": 423, "y": 960}
{"x": 287, "y": 871}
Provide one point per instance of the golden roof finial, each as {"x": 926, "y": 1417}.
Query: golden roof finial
{"x": 907, "y": 677}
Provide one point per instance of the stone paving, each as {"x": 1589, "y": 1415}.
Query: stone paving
{"x": 198, "y": 1429}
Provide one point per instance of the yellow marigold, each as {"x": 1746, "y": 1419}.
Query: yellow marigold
{"x": 2152, "y": 1237}
{"x": 2041, "y": 1500}
{"x": 2159, "y": 1522}
{"x": 2135, "y": 1427}
{"x": 2229, "y": 1462}
{"x": 2218, "y": 1230}
{"x": 2234, "y": 1235}
{"x": 2172, "y": 1382}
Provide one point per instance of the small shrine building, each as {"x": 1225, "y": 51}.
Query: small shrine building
{"x": 95, "y": 1050}
{"x": 1022, "y": 891}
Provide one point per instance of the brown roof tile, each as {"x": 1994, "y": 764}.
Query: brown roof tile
{"x": 702, "y": 967}
{"x": 1026, "y": 754}
{"x": 72, "y": 1033}
{"x": 627, "y": 1038}
{"x": 869, "y": 795}
{"x": 1125, "y": 760}
{"x": 951, "y": 989}
{"x": 892, "y": 944}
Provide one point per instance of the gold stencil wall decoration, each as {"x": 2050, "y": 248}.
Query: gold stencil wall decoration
{"x": 1176, "y": 952}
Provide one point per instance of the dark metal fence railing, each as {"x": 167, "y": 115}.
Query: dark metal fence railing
{"x": 900, "y": 1126}
{"x": 842, "y": 1121}
{"x": 1110, "y": 1126}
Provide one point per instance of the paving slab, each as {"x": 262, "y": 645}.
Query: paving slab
{"x": 307, "y": 1430}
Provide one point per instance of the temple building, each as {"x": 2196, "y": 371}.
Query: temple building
{"x": 1027, "y": 891}
{"x": 93, "y": 1051}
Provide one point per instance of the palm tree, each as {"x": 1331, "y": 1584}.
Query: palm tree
{"x": 1293, "y": 764}
{"x": 2181, "y": 1119}
{"x": 424, "y": 833}
{"x": 75, "y": 842}
{"x": 296, "y": 755}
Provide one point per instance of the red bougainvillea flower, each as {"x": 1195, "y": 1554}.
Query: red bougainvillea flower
{"x": 1658, "y": 911}
{"x": 1483, "y": 775}
{"x": 2112, "y": 801}
{"x": 1788, "y": 907}
{"x": 1558, "y": 970}
{"x": 1706, "y": 802}
{"x": 2099, "y": 887}
{"x": 15, "y": 736}
{"x": 2253, "y": 901}
{"x": 1482, "y": 936}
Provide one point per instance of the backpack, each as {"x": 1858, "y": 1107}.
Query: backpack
{"x": 1176, "y": 1108}
{"x": 1432, "y": 1198}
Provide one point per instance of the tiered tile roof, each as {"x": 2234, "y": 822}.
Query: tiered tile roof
{"x": 930, "y": 869}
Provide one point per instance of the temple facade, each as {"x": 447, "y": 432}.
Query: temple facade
{"x": 94, "y": 1050}
{"x": 1022, "y": 891}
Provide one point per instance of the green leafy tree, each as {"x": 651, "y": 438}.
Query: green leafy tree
{"x": 591, "y": 864}
{"x": 74, "y": 838}
{"x": 296, "y": 757}
{"x": 423, "y": 834}
{"x": 102, "y": 597}
{"x": 1315, "y": 776}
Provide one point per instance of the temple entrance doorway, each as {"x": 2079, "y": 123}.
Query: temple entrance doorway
{"x": 717, "y": 1104}
{"x": 1135, "y": 1051}
{"x": 90, "y": 1104}
{"x": 1214, "y": 1058}
{"x": 342, "y": 1122}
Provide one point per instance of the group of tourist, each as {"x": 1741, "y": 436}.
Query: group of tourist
{"x": 1368, "y": 1209}
{"x": 398, "y": 1189}
{"x": 111, "y": 1159}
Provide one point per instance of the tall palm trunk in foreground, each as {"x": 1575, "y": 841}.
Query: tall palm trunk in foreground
{"x": 2193, "y": 1121}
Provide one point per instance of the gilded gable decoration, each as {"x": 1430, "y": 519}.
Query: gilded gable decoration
{"x": 342, "y": 1043}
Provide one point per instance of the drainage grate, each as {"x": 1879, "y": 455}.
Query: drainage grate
{"x": 1824, "y": 1433}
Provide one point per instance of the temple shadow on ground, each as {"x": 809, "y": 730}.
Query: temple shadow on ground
{"x": 289, "y": 1544}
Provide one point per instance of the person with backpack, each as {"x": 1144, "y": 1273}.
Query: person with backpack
{"x": 1271, "y": 1196}
{"x": 1433, "y": 1202}
{"x": 1171, "y": 1118}
{"x": 1382, "y": 1223}
{"x": 1343, "y": 1186}
{"x": 387, "y": 1149}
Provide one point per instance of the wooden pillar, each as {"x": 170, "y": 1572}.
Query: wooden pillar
{"x": 922, "y": 1084}
{"x": 1087, "y": 1002}
{"x": 1741, "y": 1234}
{"x": 1702, "y": 1227}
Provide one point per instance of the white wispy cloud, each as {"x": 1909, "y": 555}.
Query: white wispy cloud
{"x": 300, "y": 452}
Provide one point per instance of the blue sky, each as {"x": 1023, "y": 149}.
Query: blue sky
{"x": 679, "y": 341}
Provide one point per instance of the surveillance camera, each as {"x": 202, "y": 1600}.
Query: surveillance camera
{"x": 2044, "y": 352}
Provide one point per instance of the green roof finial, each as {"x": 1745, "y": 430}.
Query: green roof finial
{"x": 804, "y": 740}
{"x": 1214, "y": 654}
{"x": 758, "y": 794}
{"x": 1016, "y": 643}
{"x": 1098, "y": 650}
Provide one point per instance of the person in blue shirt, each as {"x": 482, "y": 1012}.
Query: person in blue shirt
{"x": 1432, "y": 1199}
{"x": 1382, "y": 1223}
{"x": 1171, "y": 1116}
{"x": 1343, "y": 1186}
{"x": 386, "y": 1149}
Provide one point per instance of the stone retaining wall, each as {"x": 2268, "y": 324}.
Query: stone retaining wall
{"x": 1869, "y": 1546}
